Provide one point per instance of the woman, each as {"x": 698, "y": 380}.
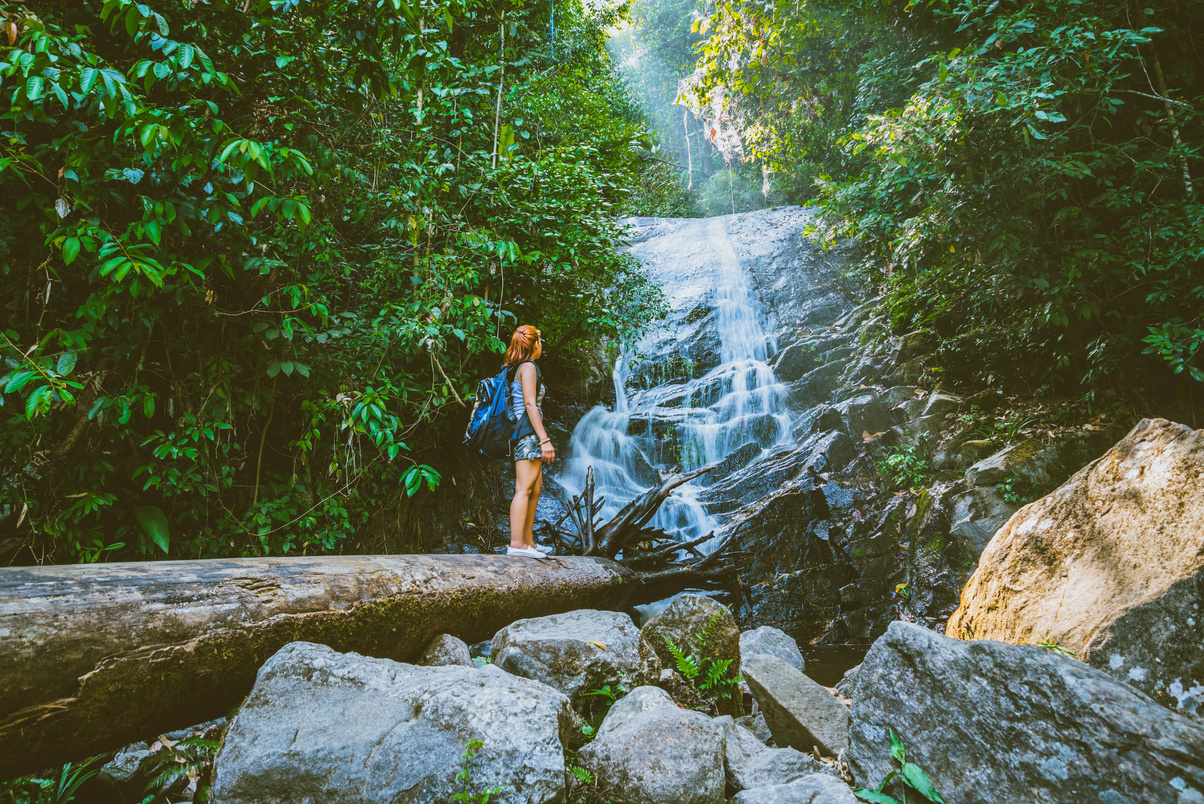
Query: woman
{"x": 533, "y": 448}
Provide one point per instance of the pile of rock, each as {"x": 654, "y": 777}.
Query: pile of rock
{"x": 340, "y": 727}
{"x": 985, "y": 721}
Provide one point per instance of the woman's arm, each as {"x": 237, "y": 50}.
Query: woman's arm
{"x": 526, "y": 374}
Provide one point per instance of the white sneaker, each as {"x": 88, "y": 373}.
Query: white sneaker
{"x": 546, "y": 549}
{"x": 524, "y": 551}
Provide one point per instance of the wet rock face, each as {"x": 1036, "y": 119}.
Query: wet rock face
{"x": 1110, "y": 566}
{"x": 991, "y": 722}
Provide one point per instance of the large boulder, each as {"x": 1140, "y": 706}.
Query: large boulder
{"x": 660, "y": 756}
{"x": 575, "y": 652}
{"x": 1110, "y": 566}
{"x": 801, "y": 714}
{"x": 991, "y": 722}
{"x": 771, "y": 642}
{"x": 697, "y": 625}
{"x": 321, "y": 726}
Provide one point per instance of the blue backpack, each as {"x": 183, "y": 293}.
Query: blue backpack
{"x": 492, "y": 429}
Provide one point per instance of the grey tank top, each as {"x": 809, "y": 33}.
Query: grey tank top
{"x": 516, "y": 395}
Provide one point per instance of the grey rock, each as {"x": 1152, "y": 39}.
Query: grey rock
{"x": 991, "y": 722}
{"x": 813, "y": 789}
{"x": 864, "y": 414}
{"x": 1028, "y": 461}
{"x": 976, "y": 515}
{"x": 752, "y": 764}
{"x": 847, "y": 681}
{"x": 445, "y": 650}
{"x": 939, "y": 404}
{"x": 576, "y": 652}
{"x": 1158, "y": 647}
{"x": 818, "y": 419}
{"x": 815, "y": 386}
{"x": 897, "y": 395}
{"x": 122, "y": 769}
{"x": 660, "y": 756}
{"x": 800, "y": 713}
{"x": 756, "y": 724}
{"x": 794, "y": 361}
{"x": 923, "y": 429}
{"x": 321, "y": 726}
{"x": 971, "y": 452}
{"x": 772, "y": 642}
{"x": 640, "y": 699}
{"x": 736, "y": 459}
{"x": 912, "y": 345}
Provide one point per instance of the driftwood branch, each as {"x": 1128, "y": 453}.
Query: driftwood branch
{"x": 659, "y": 561}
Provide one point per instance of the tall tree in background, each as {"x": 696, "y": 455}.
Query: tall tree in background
{"x": 252, "y": 251}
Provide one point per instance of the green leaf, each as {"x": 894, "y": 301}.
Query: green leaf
{"x": 18, "y": 380}
{"x": 38, "y": 402}
{"x": 67, "y": 362}
{"x": 874, "y": 796}
{"x": 70, "y": 250}
{"x": 896, "y": 747}
{"x": 87, "y": 79}
{"x": 918, "y": 780}
{"x": 154, "y": 524}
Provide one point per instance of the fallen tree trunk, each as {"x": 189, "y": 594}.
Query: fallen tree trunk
{"x": 93, "y": 657}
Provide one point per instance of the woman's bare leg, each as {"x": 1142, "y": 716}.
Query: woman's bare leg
{"x": 526, "y": 476}
{"x": 529, "y": 522}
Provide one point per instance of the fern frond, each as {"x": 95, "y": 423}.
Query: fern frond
{"x": 705, "y": 634}
{"x": 686, "y": 665}
{"x": 581, "y": 774}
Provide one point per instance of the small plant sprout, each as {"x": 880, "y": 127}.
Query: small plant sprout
{"x": 909, "y": 773}
{"x": 464, "y": 777}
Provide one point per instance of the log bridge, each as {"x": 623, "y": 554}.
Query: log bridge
{"x": 94, "y": 657}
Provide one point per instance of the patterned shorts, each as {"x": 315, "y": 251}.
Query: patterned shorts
{"x": 527, "y": 449}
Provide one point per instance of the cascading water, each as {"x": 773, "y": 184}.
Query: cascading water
{"x": 687, "y": 421}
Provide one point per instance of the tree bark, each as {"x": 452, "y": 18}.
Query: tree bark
{"x": 93, "y": 657}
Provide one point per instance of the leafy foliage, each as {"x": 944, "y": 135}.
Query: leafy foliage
{"x": 57, "y": 789}
{"x": 904, "y": 467}
{"x": 1022, "y": 177}
{"x": 254, "y": 254}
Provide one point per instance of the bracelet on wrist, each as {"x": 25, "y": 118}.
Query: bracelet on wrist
{"x": 545, "y": 441}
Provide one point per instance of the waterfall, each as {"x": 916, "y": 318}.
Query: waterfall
{"x": 686, "y": 421}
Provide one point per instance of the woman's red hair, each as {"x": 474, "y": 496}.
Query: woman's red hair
{"x": 522, "y": 345}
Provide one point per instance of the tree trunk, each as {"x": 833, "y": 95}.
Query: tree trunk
{"x": 93, "y": 657}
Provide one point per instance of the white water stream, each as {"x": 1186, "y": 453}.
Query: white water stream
{"x": 685, "y": 424}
